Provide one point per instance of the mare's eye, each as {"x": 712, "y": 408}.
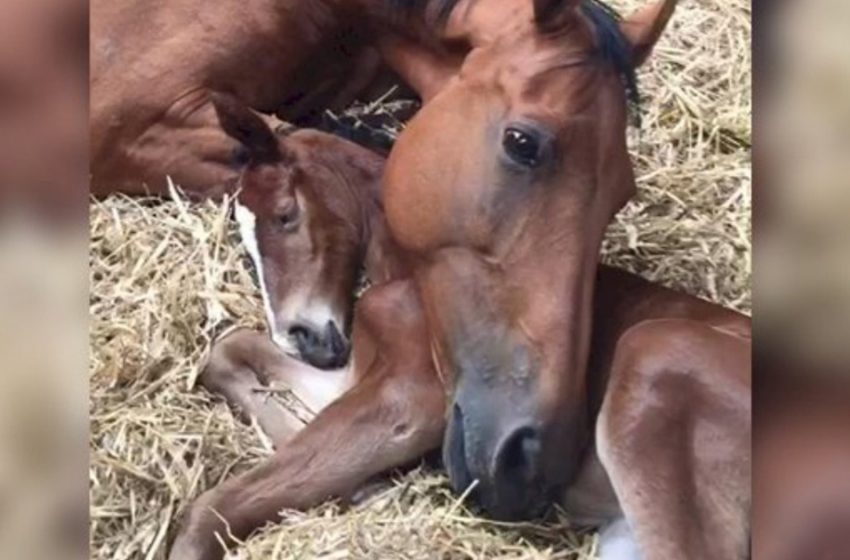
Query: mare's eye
{"x": 522, "y": 147}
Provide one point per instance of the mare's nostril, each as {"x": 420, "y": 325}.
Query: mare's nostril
{"x": 454, "y": 452}
{"x": 519, "y": 456}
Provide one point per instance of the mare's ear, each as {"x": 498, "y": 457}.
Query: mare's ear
{"x": 643, "y": 28}
{"x": 246, "y": 127}
{"x": 551, "y": 14}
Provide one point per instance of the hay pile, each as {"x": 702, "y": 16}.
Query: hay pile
{"x": 165, "y": 278}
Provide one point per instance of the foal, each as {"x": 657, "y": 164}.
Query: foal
{"x": 669, "y": 376}
{"x": 307, "y": 206}
{"x": 393, "y": 401}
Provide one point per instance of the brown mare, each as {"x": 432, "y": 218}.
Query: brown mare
{"x": 503, "y": 227}
{"x": 155, "y": 63}
{"x": 668, "y": 378}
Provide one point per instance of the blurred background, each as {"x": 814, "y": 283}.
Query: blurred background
{"x": 43, "y": 279}
{"x": 802, "y": 181}
{"x": 801, "y": 438}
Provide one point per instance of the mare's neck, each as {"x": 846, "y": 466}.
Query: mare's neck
{"x": 468, "y": 23}
{"x": 426, "y": 23}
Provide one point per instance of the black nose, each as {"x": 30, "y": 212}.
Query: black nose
{"x": 327, "y": 349}
{"x": 517, "y": 460}
{"x": 505, "y": 461}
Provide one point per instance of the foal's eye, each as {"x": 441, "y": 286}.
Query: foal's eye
{"x": 288, "y": 218}
{"x": 522, "y": 147}
{"x": 289, "y": 221}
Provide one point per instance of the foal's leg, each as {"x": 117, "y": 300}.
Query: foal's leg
{"x": 236, "y": 370}
{"x": 386, "y": 420}
{"x": 674, "y": 437}
{"x": 245, "y": 365}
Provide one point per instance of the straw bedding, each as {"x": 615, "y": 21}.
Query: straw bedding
{"x": 165, "y": 278}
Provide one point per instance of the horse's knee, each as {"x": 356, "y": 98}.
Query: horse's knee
{"x": 225, "y": 364}
{"x": 656, "y": 352}
{"x": 667, "y": 371}
{"x": 416, "y": 406}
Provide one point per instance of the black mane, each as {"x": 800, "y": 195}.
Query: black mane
{"x": 613, "y": 45}
{"x": 441, "y": 9}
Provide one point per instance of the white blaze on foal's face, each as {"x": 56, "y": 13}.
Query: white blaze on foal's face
{"x": 289, "y": 272}
{"x": 296, "y": 223}
{"x": 247, "y": 230}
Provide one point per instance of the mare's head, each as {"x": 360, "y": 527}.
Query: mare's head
{"x": 502, "y": 187}
{"x": 300, "y": 207}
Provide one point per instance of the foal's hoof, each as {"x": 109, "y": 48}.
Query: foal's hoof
{"x": 216, "y": 351}
{"x": 369, "y": 491}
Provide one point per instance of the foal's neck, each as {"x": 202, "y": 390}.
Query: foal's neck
{"x": 384, "y": 261}
{"x": 360, "y": 172}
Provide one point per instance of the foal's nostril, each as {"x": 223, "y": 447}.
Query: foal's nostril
{"x": 518, "y": 458}
{"x": 303, "y": 336}
{"x": 335, "y": 340}
{"x": 324, "y": 349}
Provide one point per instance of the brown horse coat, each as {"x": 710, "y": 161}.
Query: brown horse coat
{"x": 154, "y": 64}
{"x": 669, "y": 393}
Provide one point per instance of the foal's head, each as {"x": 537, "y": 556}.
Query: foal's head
{"x": 300, "y": 207}
{"x": 502, "y": 187}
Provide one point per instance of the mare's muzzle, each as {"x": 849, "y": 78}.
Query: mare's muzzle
{"x": 494, "y": 437}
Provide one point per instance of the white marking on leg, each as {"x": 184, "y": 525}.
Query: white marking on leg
{"x": 617, "y": 542}
{"x": 315, "y": 388}
{"x": 318, "y": 389}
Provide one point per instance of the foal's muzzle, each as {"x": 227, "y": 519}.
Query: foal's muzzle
{"x": 325, "y": 349}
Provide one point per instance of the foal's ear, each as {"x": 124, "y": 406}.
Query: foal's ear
{"x": 245, "y": 126}
{"x": 550, "y": 14}
{"x": 643, "y": 28}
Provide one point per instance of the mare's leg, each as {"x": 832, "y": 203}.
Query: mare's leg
{"x": 674, "y": 437}
{"x": 186, "y": 144}
{"x": 388, "y": 419}
{"x": 245, "y": 365}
